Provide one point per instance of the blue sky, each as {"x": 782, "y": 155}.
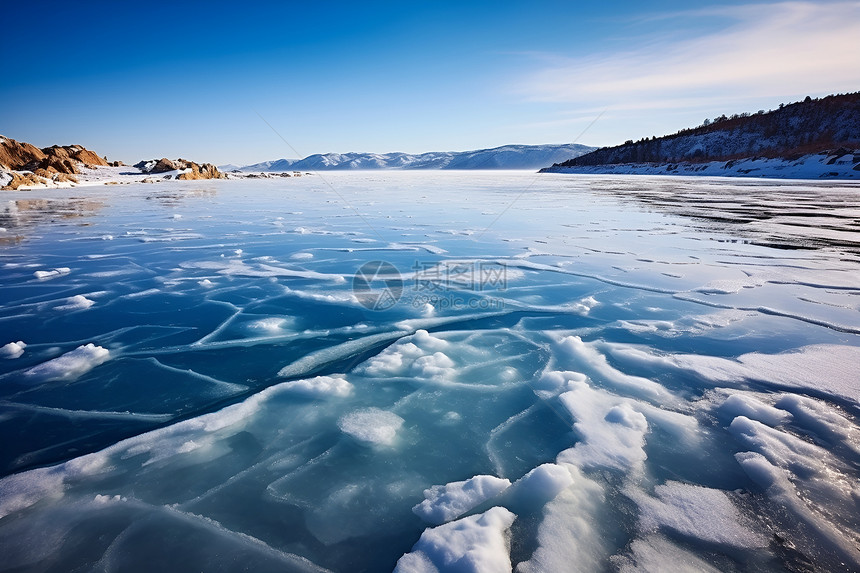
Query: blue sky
{"x": 137, "y": 81}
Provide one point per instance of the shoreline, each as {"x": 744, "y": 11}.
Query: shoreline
{"x": 126, "y": 175}
{"x": 815, "y": 167}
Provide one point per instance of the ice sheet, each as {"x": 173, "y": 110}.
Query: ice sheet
{"x": 649, "y": 373}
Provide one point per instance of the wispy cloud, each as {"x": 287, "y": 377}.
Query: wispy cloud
{"x": 763, "y": 50}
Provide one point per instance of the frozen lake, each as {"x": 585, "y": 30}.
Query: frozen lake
{"x": 431, "y": 370}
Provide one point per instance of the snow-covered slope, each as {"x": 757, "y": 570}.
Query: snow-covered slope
{"x": 505, "y": 157}
{"x": 839, "y": 165}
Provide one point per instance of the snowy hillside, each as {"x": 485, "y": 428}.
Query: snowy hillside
{"x": 841, "y": 164}
{"x": 505, "y": 157}
{"x": 788, "y": 133}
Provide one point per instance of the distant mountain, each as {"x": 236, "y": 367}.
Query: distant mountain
{"x": 505, "y": 157}
{"x": 828, "y": 127}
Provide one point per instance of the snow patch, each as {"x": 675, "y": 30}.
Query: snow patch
{"x": 69, "y": 366}
{"x": 612, "y": 433}
{"x": 13, "y": 350}
{"x": 478, "y": 544}
{"x": 654, "y": 554}
{"x": 371, "y": 426}
{"x": 570, "y": 536}
{"x": 77, "y": 302}
{"x": 540, "y": 486}
{"x": 320, "y": 386}
{"x": 695, "y": 511}
{"x": 446, "y": 502}
{"x": 587, "y": 356}
{"x": 52, "y": 274}
{"x": 742, "y": 405}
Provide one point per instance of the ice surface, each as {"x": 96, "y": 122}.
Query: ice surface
{"x": 652, "y": 374}
{"x": 270, "y": 325}
{"x": 822, "y": 421}
{"x": 478, "y": 543}
{"x": 236, "y": 267}
{"x": 446, "y": 502}
{"x": 816, "y": 532}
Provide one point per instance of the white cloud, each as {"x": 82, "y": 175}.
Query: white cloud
{"x": 764, "y": 51}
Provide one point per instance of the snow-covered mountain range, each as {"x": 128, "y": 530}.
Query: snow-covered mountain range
{"x": 505, "y": 157}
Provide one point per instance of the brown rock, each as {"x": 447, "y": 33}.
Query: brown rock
{"x": 55, "y": 159}
{"x": 16, "y": 155}
{"x": 205, "y": 171}
{"x": 58, "y": 151}
{"x": 164, "y": 164}
{"x": 64, "y": 177}
{"x": 59, "y": 164}
{"x": 89, "y": 158}
{"x": 194, "y": 170}
{"x": 19, "y": 179}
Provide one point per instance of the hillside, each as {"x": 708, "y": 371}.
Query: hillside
{"x": 814, "y": 127}
{"x": 505, "y": 157}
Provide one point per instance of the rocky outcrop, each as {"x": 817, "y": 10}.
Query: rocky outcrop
{"x": 19, "y": 179}
{"x": 153, "y": 166}
{"x": 205, "y": 171}
{"x": 189, "y": 169}
{"x": 55, "y": 176}
{"x": 74, "y": 154}
{"x": 15, "y": 154}
{"x": 55, "y": 164}
{"x": 25, "y": 165}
